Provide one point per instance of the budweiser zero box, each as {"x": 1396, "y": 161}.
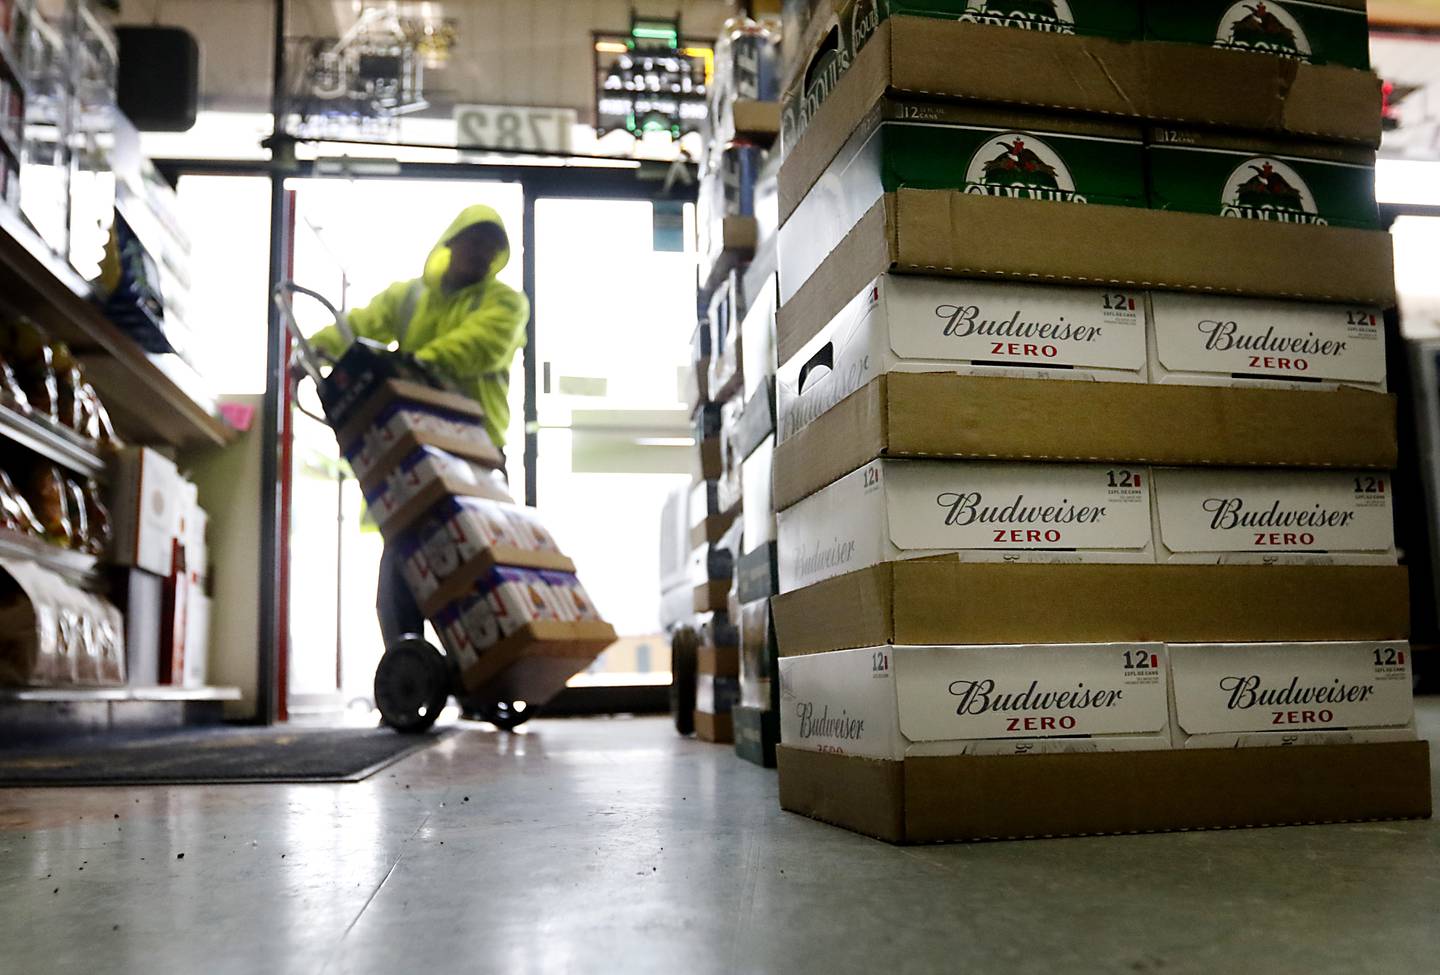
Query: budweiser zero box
{"x": 893, "y": 510}
{"x": 899, "y": 702}
{"x": 946, "y": 146}
{"x": 1271, "y": 516}
{"x": 1212, "y": 340}
{"x": 1315, "y": 184}
{"x": 902, "y": 323}
{"x": 1235, "y": 695}
{"x": 1313, "y": 31}
{"x": 832, "y": 43}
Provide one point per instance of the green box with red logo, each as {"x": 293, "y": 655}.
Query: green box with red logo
{"x": 1323, "y": 32}
{"x": 1200, "y": 171}
{"x": 949, "y": 146}
{"x": 831, "y": 43}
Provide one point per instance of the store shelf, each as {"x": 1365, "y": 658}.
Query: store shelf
{"x": 51, "y": 442}
{"x": 147, "y": 397}
{"x": 80, "y": 694}
{"x": 77, "y": 567}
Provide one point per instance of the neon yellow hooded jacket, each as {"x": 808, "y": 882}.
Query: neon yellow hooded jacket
{"x": 470, "y": 335}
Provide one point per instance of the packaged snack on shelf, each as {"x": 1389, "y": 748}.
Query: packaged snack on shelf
{"x": 28, "y": 351}
{"x": 97, "y": 517}
{"x": 68, "y": 383}
{"x": 51, "y": 503}
{"x": 53, "y": 634}
{"x": 17, "y": 513}
{"x": 79, "y": 516}
{"x": 11, "y": 393}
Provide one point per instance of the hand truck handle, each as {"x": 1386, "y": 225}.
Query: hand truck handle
{"x": 310, "y": 360}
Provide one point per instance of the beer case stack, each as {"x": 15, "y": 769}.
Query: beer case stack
{"x": 737, "y": 220}
{"x": 1083, "y": 444}
{"x": 505, "y": 602}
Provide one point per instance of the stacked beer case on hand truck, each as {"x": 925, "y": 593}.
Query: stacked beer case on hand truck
{"x": 515, "y": 622}
{"x": 737, "y": 218}
{"x": 1083, "y": 457}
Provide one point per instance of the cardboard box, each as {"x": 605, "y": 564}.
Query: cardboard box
{"x": 1211, "y": 340}
{"x": 425, "y": 477}
{"x": 757, "y": 733}
{"x": 723, "y": 245}
{"x": 967, "y": 235}
{"x": 745, "y": 118}
{"x": 402, "y": 427}
{"x": 1307, "y": 184}
{"x": 726, "y": 310}
{"x": 719, "y": 644}
{"x": 715, "y": 694}
{"x": 759, "y": 656}
{"x": 719, "y": 661}
{"x": 757, "y": 335}
{"x": 757, "y": 421}
{"x": 757, "y": 574}
{"x": 991, "y": 797}
{"x": 894, "y": 702}
{"x": 940, "y": 602}
{"x": 1243, "y": 695}
{"x": 395, "y": 392}
{"x": 983, "y": 418}
{"x": 535, "y": 662}
{"x": 147, "y": 500}
{"x": 715, "y": 728}
{"x": 729, "y": 488}
{"x": 1273, "y": 517}
{"x": 831, "y": 44}
{"x": 1158, "y": 81}
{"x": 891, "y": 510}
{"x": 758, "y": 513}
{"x": 197, "y": 640}
{"x": 712, "y": 528}
{"x": 899, "y": 323}
{"x": 1311, "y": 32}
{"x": 979, "y": 151}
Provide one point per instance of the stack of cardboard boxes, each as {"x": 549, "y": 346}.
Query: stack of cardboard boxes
{"x": 737, "y": 218}
{"x": 1083, "y": 444}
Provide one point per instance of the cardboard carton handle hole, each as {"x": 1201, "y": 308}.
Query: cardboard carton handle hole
{"x": 824, "y": 358}
{"x": 830, "y": 45}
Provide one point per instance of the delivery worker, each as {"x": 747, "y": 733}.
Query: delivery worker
{"x": 464, "y": 324}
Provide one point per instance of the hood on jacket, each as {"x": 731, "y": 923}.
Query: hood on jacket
{"x": 438, "y": 261}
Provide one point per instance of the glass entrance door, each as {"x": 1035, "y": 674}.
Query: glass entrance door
{"x": 613, "y": 318}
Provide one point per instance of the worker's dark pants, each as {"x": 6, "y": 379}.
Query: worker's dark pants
{"x": 399, "y": 614}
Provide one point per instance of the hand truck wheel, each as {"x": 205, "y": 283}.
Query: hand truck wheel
{"x": 412, "y": 684}
{"x": 684, "y": 664}
{"x": 505, "y": 715}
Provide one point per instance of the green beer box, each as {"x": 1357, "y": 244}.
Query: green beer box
{"x": 836, "y": 41}
{"x": 1324, "y": 32}
{"x": 945, "y": 146}
{"x": 1288, "y": 182}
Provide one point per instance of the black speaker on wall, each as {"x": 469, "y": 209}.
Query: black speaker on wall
{"x": 159, "y": 77}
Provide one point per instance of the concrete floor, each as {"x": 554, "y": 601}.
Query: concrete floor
{"x": 613, "y": 846}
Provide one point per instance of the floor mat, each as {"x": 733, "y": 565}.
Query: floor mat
{"x": 211, "y": 755}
